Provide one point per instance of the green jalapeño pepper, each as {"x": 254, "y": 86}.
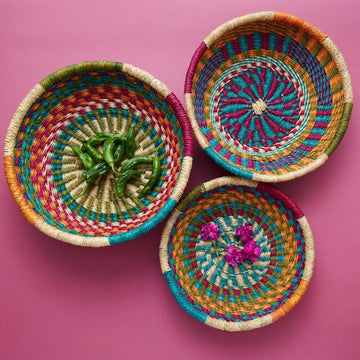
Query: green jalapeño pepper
{"x": 108, "y": 150}
{"x": 119, "y": 153}
{"x": 85, "y": 158}
{"x": 123, "y": 179}
{"x": 135, "y": 161}
{"x": 130, "y": 143}
{"x": 92, "y": 174}
{"x": 155, "y": 175}
{"x": 98, "y": 138}
{"x": 93, "y": 152}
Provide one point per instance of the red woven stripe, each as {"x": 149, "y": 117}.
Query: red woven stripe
{"x": 181, "y": 115}
{"x": 192, "y": 67}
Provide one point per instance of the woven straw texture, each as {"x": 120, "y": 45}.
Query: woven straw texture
{"x": 269, "y": 96}
{"x": 44, "y": 174}
{"x": 249, "y": 295}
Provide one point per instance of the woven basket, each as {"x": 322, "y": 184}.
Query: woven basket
{"x": 269, "y": 96}
{"x": 251, "y": 294}
{"x": 44, "y": 174}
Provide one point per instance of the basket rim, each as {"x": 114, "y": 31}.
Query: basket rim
{"x": 308, "y": 28}
{"x": 260, "y": 321}
{"x": 56, "y": 77}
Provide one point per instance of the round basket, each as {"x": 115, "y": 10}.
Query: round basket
{"x": 69, "y": 106}
{"x": 269, "y": 96}
{"x": 255, "y": 290}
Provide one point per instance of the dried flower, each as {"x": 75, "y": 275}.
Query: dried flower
{"x": 255, "y": 254}
{"x": 210, "y": 231}
{"x": 246, "y": 232}
{"x": 233, "y": 256}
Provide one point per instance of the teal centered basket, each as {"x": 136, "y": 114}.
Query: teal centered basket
{"x": 269, "y": 96}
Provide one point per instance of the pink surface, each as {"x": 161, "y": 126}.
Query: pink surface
{"x": 58, "y": 301}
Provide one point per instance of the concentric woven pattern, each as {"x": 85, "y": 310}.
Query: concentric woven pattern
{"x": 249, "y": 295}
{"x": 45, "y": 175}
{"x": 269, "y": 96}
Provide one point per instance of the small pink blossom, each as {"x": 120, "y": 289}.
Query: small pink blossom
{"x": 255, "y": 254}
{"x": 210, "y": 231}
{"x": 233, "y": 256}
{"x": 249, "y": 248}
{"x": 250, "y": 252}
{"x": 246, "y": 232}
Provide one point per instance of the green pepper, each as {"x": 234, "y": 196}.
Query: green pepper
{"x": 108, "y": 150}
{"x": 85, "y": 158}
{"x": 98, "y": 138}
{"x": 156, "y": 169}
{"x": 119, "y": 152}
{"x": 94, "y": 153}
{"x": 97, "y": 170}
{"x": 136, "y": 160}
{"x": 123, "y": 179}
{"x": 92, "y": 174}
{"x": 130, "y": 143}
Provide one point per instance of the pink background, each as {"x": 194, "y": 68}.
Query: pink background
{"x": 58, "y": 301}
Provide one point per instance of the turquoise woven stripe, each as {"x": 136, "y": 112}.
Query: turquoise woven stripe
{"x": 145, "y": 227}
{"x": 226, "y": 165}
{"x": 181, "y": 298}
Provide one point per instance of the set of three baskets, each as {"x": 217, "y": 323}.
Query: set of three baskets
{"x": 268, "y": 97}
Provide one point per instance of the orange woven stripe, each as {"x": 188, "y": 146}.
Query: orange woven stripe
{"x": 290, "y": 303}
{"x": 294, "y": 21}
{"x": 23, "y": 204}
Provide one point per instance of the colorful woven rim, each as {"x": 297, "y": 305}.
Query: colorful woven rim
{"x": 269, "y": 96}
{"x": 250, "y": 295}
{"x": 44, "y": 174}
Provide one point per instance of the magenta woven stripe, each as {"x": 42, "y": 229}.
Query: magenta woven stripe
{"x": 192, "y": 67}
{"x": 180, "y": 113}
{"x": 284, "y": 198}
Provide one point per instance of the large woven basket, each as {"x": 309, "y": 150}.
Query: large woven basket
{"x": 269, "y": 96}
{"x": 254, "y": 293}
{"x": 70, "y": 105}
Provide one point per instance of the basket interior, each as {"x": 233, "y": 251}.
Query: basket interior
{"x": 205, "y": 280}
{"x": 49, "y": 174}
{"x": 268, "y": 96}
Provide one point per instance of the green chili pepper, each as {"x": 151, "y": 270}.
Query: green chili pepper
{"x": 94, "y": 153}
{"x": 108, "y": 150}
{"x": 136, "y": 160}
{"x": 97, "y": 170}
{"x": 156, "y": 169}
{"x": 130, "y": 143}
{"x": 90, "y": 159}
{"x": 123, "y": 179}
{"x": 85, "y": 158}
{"x": 119, "y": 152}
{"x": 92, "y": 174}
{"x": 98, "y": 138}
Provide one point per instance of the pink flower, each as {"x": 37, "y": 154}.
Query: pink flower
{"x": 256, "y": 254}
{"x": 233, "y": 256}
{"x": 251, "y": 251}
{"x": 245, "y": 231}
{"x": 249, "y": 248}
{"x": 210, "y": 231}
